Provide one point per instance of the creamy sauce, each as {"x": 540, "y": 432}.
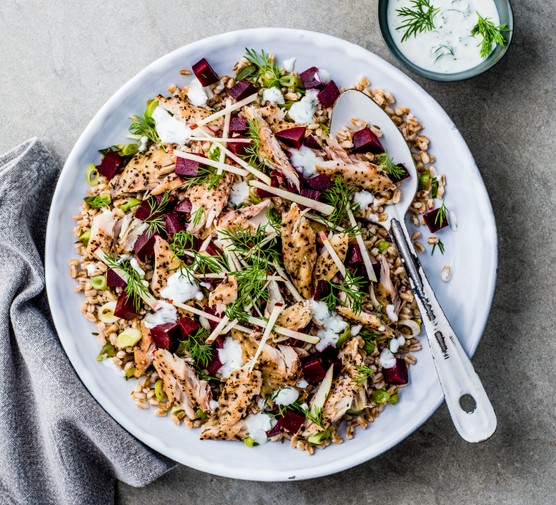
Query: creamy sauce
{"x": 332, "y": 325}
{"x": 143, "y": 143}
{"x": 363, "y": 199}
{"x": 285, "y": 396}
{"x": 257, "y": 426}
{"x": 109, "y": 363}
{"x": 180, "y": 289}
{"x": 302, "y": 112}
{"x": 213, "y": 404}
{"x": 240, "y": 193}
{"x": 387, "y": 359}
{"x": 273, "y": 95}
{"x": 302, "y": 384}
{"x": 165, "y": 313}
{"x": 395, "y": 344}
{"x": 289, "y": 64}
{"x": 197, "y": 94}
{"x": 450, "y": 47}
{"x": 169, "y": 129}
{"x": 391, "y": 313}
{"x": 305, "y": 159}
{"x": 230, "y": 356}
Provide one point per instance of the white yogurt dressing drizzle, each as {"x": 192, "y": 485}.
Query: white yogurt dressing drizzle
{"x": 197, "y": 94}
{"x": 165, "y": 313}
{"x": 180, "y": 289}
{"x": 285, "y": 396}
{"x": 387, "y": 359}
{"x": 450, "y": 47}
{"x": 273, "y": 95}
{"x": 302, "y": 112}
{"x": 257, "y": 426}
{"x": 332, "y": 325}
{"x": 230, "y": 356}
{"x": 169, "y": 129}
{"x": 239, "y": 193}
{"x": 305, "y": 159}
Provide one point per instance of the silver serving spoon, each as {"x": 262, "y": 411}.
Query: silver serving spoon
{"x": 469, "y": 406}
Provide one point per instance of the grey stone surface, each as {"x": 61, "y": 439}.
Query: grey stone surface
{"x": 61, "y": 60}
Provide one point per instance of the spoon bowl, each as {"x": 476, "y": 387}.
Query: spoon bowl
{"x": 467, "y": 401}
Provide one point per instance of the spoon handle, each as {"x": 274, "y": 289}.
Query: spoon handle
{"x": 467, "y": 401}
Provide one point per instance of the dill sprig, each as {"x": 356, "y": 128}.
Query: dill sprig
{"x": 274, "y": 220}
{"x": 262, "y": 69}
{"x": 182, "y": 246}
{"x": 364, "y": 373}
{"x": 252, "y": 154}
{"x": 197, "y": 216}
{"x": 316, "y": 417}
{"x": 491, "y": 34}
{"x": 99, "y": 201}
{"x": 417, "y": 19}
{"x": 441, "y": 214}
{"x": 194, "y": 345}
{"x": 145, "y": 125}
{"x": 434, "y": 187}
{"x": 441, "y": 247}
{"x": 251, "y": 245}
{"x": 347, "y": 293}
{"x": 442, "y": 50}
{"x": 340, "y": 196}
{"x": 387, "y": 164}
{"x": 156, "y": 219}
{"x": 135, "y": 288}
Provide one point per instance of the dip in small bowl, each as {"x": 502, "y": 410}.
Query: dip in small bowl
{"x": 447, "y": 40}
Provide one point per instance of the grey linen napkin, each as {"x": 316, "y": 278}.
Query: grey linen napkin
{"x": 57, "y": 445}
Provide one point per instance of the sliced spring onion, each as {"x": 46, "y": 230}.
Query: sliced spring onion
{"x": 159, "y": 390}
{"x": 96, "y": 202}
{"x": 128, "y": 149}
{"x": 250, "y": 442}
{"x": 99, "y": 282}
{"x": 130, "y": 372}
{"x": 107, "y": 351}
{"x": 130, "y": 203}
{"x": 323, "y": 208}
{"x": 319, "y": 438}
{"x": 84, "y": 237}
{"x": 380, "y": 396}
{"x": 151, "y": 106}
{"x": 412, "y": 325}
{"x": 344, "y": 337}
{"x": 106, "y": 313}
{"x": 383, "y": 245}
{"x": 92, "y": 175}
{"x": 128, "y": 338}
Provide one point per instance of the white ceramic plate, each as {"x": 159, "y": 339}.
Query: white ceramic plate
{"x": 471, "y": 251}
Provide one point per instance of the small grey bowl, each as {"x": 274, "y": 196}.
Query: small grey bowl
{"x": 506, "y": 18}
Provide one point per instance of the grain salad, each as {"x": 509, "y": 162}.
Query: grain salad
{"x": 232, "y": 258}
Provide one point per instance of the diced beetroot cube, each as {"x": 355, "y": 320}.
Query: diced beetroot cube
{"x": 275, "y": 430}
{"x": 187, "y": 168}
{"x": 188, "y": 326}
{"x": 184, "y": 206}
{"x": 215, "y": 362}
{"x": 144, "y": 246}
{"x": 319, "y": 182}
{"x": 329, "y": 94}
{"x": 329, "y": 357}
{"x": 291, "y": 421}
{"x": 365, "y": 141}
{"x": 397, "y": 375}
{"x": 212, "y": 310}
{"x": 125, "y": 308}
{"x": 173, "y": 223}
{"x": 238, "y": 125}
{"x": 109, "y": 164}
{"x": 322, "y": 289}
{"x": 204, "y": 72}
{"x": 354, "y": 256}
{"x": 311, "y": 78}
{"x": 242, "y": 89}
{"x": 312, "y": 369}
{"x": 114, "y": 280}
{"x": 165, "y": 336}
{"x": 145, "y": 208}
{"x": 311, "y": 142}
{"x": 238, "y": 148}
{"x": 313, "y": 194}
{"x": 401, "y": 177}
{"x": 292, "y": 137}
{"x": 436, "y": 219}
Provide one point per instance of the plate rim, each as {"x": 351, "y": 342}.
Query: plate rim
{"x": 66, "y": 340}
